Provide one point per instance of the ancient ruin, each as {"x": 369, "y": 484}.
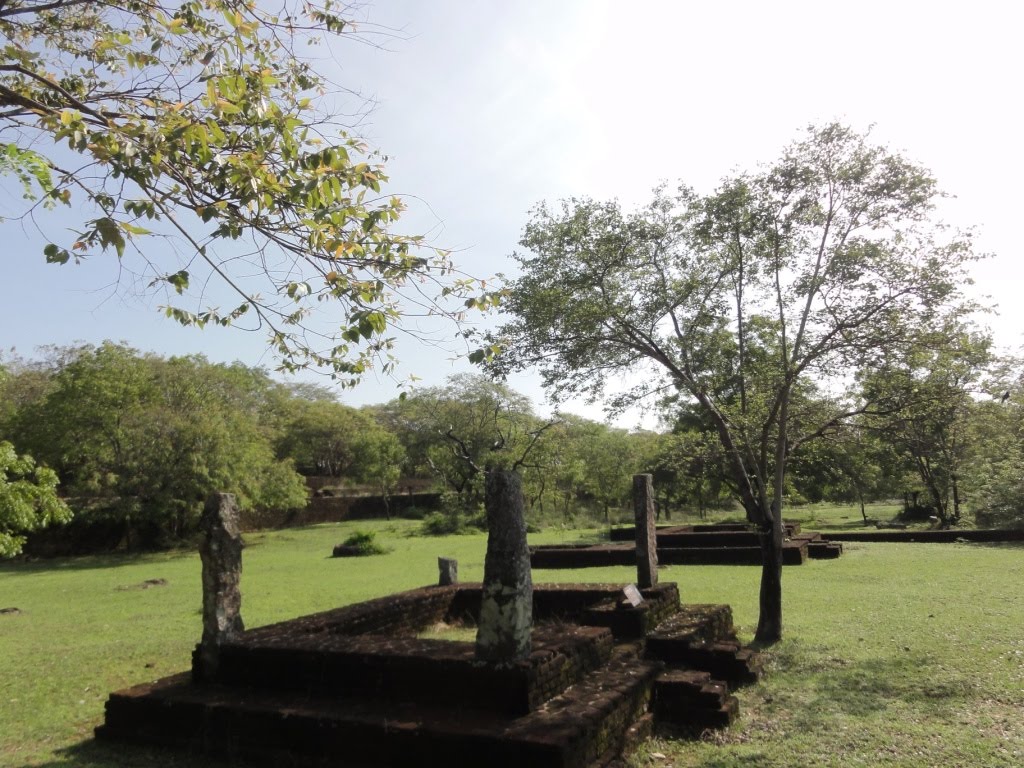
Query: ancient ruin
{"x": 646, "y": 543}
{"x": 221, "y": 553}
{"x": 506, "y": 609}
{"x": 356, "y": 685}
{"x": 721, "y": 544}
{"x": 560, "y": 675}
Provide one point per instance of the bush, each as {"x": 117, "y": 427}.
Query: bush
{"x": 441, "y": 524}
{"x": 364, "y": 543}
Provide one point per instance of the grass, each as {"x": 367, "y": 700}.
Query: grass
{"x": 895, "y": 655}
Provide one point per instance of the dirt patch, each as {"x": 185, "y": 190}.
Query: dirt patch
{"x": 10, "y": 611}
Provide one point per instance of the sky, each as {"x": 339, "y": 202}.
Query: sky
{"x": 487, "y": 108}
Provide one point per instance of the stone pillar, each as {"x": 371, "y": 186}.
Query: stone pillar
{"x": 646, "y": 538}
{"x": 448, "y": 568}
{"x": 221, "y": 553}
{"x": 506, "y": 609}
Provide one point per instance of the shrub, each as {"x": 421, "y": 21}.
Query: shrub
{"x": 364, "y": 543}
{"x": 440, "y": 524}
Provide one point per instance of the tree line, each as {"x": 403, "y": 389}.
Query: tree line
{"x": 139, "y": 440}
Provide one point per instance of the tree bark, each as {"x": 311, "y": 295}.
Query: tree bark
{"x": 769, "y": 624}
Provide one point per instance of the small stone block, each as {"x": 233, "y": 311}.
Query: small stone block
{"x": 448, "y": 568}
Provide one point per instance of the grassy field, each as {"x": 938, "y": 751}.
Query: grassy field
{"x": 896, "y": 655}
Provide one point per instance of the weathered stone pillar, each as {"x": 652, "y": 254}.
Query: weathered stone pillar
{"x": 221, "y": 553}
{"x": 506, "y": 609}
{"x": 646, "y": 536}
{"x": 448, "y": 571}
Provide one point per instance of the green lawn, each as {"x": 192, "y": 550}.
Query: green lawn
{"x": 909, "y": 655}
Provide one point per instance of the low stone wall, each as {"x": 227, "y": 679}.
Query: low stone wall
{"x": 600, "y": 556}
{"x": 931, "y": 537}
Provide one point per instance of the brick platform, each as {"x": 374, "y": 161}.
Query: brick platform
{"x": 355, "y": 686}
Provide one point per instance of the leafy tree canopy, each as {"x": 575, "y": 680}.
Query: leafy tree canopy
{"x": 28, "y": 499}
{"x": 147, "y": 439}
{"x": 201, "y": 121}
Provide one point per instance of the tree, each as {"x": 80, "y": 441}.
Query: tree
{"x": 324, "y": 437}
{"x": 688, "y": 466}
{"x": 812, "y": 268}
{"x": 200, "y": 121}
{"x": 28, "y": 499}
{"x": 145, "y": 440}
{"x": 928, "y": 401}
{"x": 452, "y": 431}
{"x": 995, "y": 464}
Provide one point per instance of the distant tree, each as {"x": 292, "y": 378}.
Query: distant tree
{"x": 469, "y": 416}
{"x": 927, "y": 398}
{"x": 201, "y": 121}
{"x": 22, "y": 382}
{"x": 609, "y": 462}
{"x": 817, "y": 266}
{"x": 381, "y": 457}
{"x": 325, "y": 437}
{"x": 28, "y": 499}
{"x": 321, "y": 437}
{"x": 688, "y": 469}
{"x": 147, "y": 439}
{"x": 994, "y": 471}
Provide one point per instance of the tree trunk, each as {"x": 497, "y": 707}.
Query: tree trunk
{"x": 769, "y": 624}
{"x": 956, "y": 498}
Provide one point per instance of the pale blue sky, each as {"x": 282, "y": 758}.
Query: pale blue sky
{"x": 486, "y": 108}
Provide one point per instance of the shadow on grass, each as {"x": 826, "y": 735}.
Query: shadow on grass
{"x": 97, "y": 754}
{"x": 92, "y": 562}
{"x": 870, "y": 686}
{"x": 993, "y": 544}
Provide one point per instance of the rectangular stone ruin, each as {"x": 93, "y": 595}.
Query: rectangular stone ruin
{"x": 719, "y": 544}
{"x": 356, "y": 684}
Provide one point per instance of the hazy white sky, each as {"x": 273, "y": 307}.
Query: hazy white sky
{"x": 486, "y": 108}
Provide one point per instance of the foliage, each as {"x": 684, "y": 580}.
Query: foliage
{"x": 826, "y": 263}
{"x": 689, "y": 468}
{"x": 994, "y": 471}
{"x": 365, "y": 543}
{"x": 455, "y": 430}
{"x": 201, "y": 121}
{"x": 324, "y": 437}
{"x": 926, "y": 400}
{"x": 28, "y": 499}
{"x": 151, "y": 438}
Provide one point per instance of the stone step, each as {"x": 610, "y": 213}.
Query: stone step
{"x": 695, "y": 721}
{"x": 626, "y": 621}
{"x": 724, "y": 660}
{"x": 701, "y": 638}
{"x": 591, "y": 721}
{"x": 699, "y": 623}
{"x": 824, "y": 550}
{"x": 692, "y": 700}
{"x": 414, "y": 670}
